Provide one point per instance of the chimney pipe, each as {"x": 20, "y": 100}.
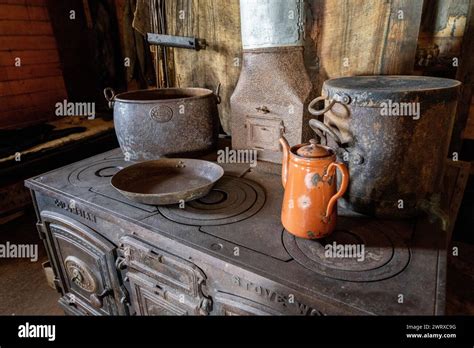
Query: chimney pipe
{"x": 272, "y": 23}
{"x": 271, "y": 96}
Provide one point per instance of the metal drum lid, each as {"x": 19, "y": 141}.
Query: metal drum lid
{"x": 372, "y": 91}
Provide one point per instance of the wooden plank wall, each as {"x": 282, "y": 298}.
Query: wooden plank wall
{"x": 361, "y": 37}
{"x": 28, "y": 92}
{"x": 218, "y": 22}
{"x": 376, "y": 37}
{"x": 443, "y": 25}
{"x": 343, "y": 38}
{"x": 464, "y": 126}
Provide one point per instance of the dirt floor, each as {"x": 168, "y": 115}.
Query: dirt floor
{"x": 24, "y": 290}
{"x": 23, "y": 286}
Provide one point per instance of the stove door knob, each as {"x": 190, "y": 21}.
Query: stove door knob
{"x": 120, "y": 263}
{"x": 97, "y": 300}
{"x": 205, "y": 307}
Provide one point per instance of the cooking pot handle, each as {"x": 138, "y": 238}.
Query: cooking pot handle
{"x": 323, "y": 111}
{"x": 344, "y": 184}
{"x": 319, "y": 128}
{"x": 109, "y": 95}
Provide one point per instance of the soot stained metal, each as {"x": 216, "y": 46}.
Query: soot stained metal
{"x": 393, "y": 133}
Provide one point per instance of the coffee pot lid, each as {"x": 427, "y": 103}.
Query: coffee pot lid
{"x": 313, "y": 150}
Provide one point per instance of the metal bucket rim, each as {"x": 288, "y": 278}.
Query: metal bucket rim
{"x": 334, "y": 84}
{"x": 204, "y": 93}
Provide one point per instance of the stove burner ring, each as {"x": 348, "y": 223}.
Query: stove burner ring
{"x": 107, "y": 172}
{"x": 214, "y": 197}
{"x": 339, "y": 255}
{"x": 231, "y": 200}
{"x": 96, "y": 174}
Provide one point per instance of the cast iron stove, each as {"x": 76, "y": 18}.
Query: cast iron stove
{"x": 226, "y": 253}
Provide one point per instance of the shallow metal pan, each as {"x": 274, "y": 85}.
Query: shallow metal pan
{"x": 167, "y": 181}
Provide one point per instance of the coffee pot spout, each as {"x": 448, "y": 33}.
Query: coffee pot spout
{"x": 284, "y": 165}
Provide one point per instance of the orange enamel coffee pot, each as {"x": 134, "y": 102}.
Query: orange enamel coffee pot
{"x": 310, "y": 181}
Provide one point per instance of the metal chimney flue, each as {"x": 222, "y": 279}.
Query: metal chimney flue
{"x": 273, "y": 89}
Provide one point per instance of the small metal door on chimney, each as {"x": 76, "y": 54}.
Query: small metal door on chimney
{"x": 263, "y": 132}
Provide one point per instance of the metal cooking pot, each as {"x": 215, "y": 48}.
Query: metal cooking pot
{"x": 165, "y": 122}
{"x": 393, "y": 133}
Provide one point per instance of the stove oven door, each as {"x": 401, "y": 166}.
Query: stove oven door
{"x": 161, "y": 283}
{"x": 85, "y": 263}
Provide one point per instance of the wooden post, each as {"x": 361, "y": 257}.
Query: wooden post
{"x": 465, "y": 74}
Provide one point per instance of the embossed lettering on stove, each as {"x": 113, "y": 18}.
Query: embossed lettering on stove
{"x": 75, "y": 210}
{"x": 285, "y": 301}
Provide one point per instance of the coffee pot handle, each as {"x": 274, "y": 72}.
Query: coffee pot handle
{"x": 344, "y": 184}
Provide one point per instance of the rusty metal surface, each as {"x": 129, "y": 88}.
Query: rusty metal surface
{"x": 270, "y": 100}
{"x": 165, "y": 122}
{"x": 167, "y": 181}
{"x": 238, "y": 259}
{"x": 396, "y": 163}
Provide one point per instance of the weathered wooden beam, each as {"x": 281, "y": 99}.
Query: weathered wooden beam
{"x": 362, "y": 37}
{"x": 454, "y": 184}
{"x": 465, "y": 74}
{"x": 442, "y": 28}
{"x": 218, "y": 23}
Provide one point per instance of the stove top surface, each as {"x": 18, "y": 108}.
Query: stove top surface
{"x": 243, "y": 210}
{"x": 385, "y": 252}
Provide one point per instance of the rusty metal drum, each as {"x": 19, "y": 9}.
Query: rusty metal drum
{"x": 393, "y": 132}
{"x": 151, "y": 124}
